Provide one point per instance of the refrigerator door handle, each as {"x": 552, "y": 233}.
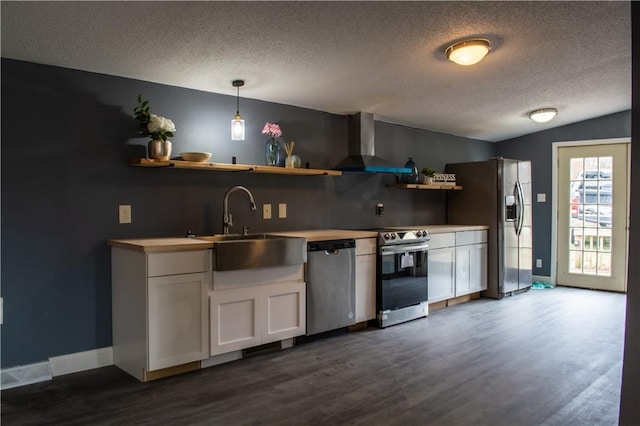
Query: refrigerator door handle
{"x": 520, "y": 221}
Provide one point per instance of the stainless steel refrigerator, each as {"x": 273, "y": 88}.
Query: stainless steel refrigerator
{"x": 497, "y": 193}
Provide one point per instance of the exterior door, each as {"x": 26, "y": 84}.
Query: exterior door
{"x": 592, "y": 216}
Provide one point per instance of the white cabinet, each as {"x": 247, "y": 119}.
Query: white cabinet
{"x": 160, "y": 314}
{"x": 256, "y": 306}
{"x": 471, "y": 262}
{"x": 365, "y": 279}
{"x": 441, "y": 267}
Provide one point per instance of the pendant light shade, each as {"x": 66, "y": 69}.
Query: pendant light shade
{"x": 543, "y": 115}
{"x": 237, "y": 124}
{"x": 468, "y": 52}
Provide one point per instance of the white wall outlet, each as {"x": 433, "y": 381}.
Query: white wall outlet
{"x": 542, "y": 197}
{"x": 538, "y": 263}
{"x": 266, "y": 211}
{"x": 124, "y": 213}
{"x": 282, "y": 210}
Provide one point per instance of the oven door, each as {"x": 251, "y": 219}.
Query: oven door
{"x": 402, "y": 276}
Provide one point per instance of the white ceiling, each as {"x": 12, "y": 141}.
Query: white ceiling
{"x": 342, "y": 57}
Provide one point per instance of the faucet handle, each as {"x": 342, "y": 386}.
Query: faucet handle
{"x": 245, "y": 230}
{"x": 228, "y": 219}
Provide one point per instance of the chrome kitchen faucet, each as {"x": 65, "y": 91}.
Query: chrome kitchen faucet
{"x": 227, "y": 219}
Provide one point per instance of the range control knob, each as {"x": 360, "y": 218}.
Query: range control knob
{"x": 393, "y": 235}
{"x": 419, "y": 234}
{"x": 386, "y": 236}
{"x": 424, "y": 233}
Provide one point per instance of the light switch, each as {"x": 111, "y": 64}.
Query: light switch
{"x": 542, "y": 197}
{"x": 266, "y": 211}
{"x": 282, "y": 210}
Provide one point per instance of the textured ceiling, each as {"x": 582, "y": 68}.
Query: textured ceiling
{"x": 342, "y": 57}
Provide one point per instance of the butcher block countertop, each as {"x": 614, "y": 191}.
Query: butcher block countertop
{"x": 151, "y": 245}
{"x": 328, "y": 234}
{"x": 161, "y": 244}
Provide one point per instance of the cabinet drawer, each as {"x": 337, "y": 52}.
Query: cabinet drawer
{"x": 442, "y": 240}
{"x": 178, "y": 262}
{"x": 365, "y": 246}
{"x": 470, "y": 237}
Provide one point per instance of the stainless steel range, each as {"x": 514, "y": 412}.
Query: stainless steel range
{"x": 401, "y": 266}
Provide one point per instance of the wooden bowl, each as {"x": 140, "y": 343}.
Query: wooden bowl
{"x": 197, "y": 157}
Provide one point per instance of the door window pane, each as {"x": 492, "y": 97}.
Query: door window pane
{"x": 591, "y": 212}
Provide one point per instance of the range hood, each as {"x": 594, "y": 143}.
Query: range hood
{"x": 362, "y": 148}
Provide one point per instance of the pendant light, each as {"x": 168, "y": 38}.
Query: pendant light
{"x": 237, "y": 124}
{"x": 468, "y": 52}
{"x": 543, "y": 115}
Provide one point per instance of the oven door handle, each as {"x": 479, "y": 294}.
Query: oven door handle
{"x": 399, "y": 249}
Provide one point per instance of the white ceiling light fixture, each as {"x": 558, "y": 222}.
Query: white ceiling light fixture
{"x": 237, "y": 124}
{"x": 468, "y": 52}
{"x": 543, "y": 115}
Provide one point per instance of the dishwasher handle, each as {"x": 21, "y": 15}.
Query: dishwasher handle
{"x": 331, "y": 246}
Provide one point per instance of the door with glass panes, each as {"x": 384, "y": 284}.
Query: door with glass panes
{"x": 592, "y": 216}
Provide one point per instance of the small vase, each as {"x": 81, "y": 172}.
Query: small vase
{"x": 292, "y": 161}
{"x": 159, "y": 149}
{"x": 413, "y": 176}
{"x": 272, "y": 151}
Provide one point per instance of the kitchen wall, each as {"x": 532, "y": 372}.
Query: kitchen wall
{"x": 66, "y": 139}
{"x": 537, "y": 147}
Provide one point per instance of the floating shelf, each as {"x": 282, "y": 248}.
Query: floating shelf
{"x": 421, "y": 186}
{"x": 224, "y": 167}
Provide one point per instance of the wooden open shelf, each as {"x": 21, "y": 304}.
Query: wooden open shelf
{"x": 224, "y": 167}
{"x": 421, "y": 186}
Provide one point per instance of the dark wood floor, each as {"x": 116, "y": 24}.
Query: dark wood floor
{"x": 546, "y": 357}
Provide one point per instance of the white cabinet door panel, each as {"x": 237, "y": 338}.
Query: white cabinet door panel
{"x": 234, "y": 319}
{"x": 365, "y": 287}
{"x": 442, "y": 274}
{"x": 285, "y": 310}
{"x": 178, "y": 316}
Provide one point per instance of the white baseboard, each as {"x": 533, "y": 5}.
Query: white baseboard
{"x": 543, "y": 278}
{"x": 81, "y": 361}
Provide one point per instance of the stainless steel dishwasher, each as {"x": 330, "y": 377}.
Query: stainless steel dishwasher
{"x": 331, "y": 285}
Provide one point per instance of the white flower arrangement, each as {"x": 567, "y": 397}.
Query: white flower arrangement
{"x": 152, "y": 125}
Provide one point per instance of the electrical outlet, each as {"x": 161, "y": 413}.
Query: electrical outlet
{"x": 282, "y": 210}
{"x": 124, "y": 213}
{"x": 379, "y": 209}
{"x": 541, "y": 197}
{"x": 266, "y": 211}
{"x": 538, "y": 263}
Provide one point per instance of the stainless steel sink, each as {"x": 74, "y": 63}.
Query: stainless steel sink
{"x": 232, "y": 252}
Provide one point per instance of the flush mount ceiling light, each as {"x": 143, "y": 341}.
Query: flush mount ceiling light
{"x": 468, "y": 52}
{"x": 237, "y": 124}
{"x": 543, "y": 115}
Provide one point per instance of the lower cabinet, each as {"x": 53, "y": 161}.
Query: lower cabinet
{"x": 253, "y": 315}
{"x": 471, "y": 262}
{"x": 441, "y": 267}
{"x": 365, "y": 279}
{"x": 160, "y": 310}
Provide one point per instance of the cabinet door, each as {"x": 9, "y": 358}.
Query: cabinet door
{"x": 478, "y": 267}
{"x": 365, "y": 287}
{"x": 463, "y": 270}
{"x": 284, "y": 310}
{"x": 234, "y": 319}
{"x": 442, "y": 274}
{"x": 178, "y": 318}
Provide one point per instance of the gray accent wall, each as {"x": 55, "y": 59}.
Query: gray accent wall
{"x": 66, "y": 138}
{"x": 537, "y": 147}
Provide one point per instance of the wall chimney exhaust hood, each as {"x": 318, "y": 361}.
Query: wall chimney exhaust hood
{"x": 362, "y": 148}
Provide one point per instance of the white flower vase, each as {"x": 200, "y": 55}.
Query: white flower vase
{"x": 159, "y": 150}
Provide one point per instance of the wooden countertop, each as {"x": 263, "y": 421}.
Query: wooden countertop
{"x": 328, "y": 234}
{"x": 161, "y": 244}
{"x": 151, "y": 245}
